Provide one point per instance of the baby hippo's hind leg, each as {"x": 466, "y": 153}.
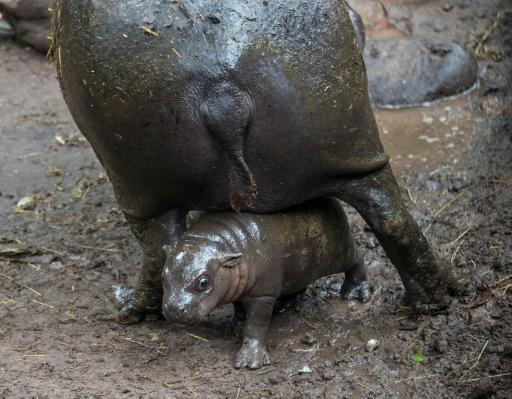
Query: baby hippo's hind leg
{"x": 356, "y": 286}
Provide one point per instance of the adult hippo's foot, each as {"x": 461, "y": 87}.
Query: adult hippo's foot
{"x": 377, "y": 198}
{"x": 152, "y": 235}
{"x": 130, "y": 299}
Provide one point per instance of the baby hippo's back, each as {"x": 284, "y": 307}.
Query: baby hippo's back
{"x": 292, "y": 248}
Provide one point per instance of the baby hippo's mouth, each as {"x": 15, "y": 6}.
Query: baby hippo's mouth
{"x": 179, "y": 315}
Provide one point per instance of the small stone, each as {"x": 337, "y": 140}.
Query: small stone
{"x": 26, "y": 203}
{"x": 92, "y": 275}
{"x": 427, "y": 120}
{"x": 447, "y": 7}
{"x": 305, "y": 370}
{"x": 214, "y": 19}
{"x": 371, "y": 345}
{"x": 328, "y": 375}
{"x": 56, "y": 267}
{"x": 309, "y": 339}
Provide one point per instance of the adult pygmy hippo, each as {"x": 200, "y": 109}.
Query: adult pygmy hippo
{"x": 251, "y": 260}
{"x": 246, "y": 104}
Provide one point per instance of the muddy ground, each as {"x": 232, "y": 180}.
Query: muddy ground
{"x": 66, "y": 247}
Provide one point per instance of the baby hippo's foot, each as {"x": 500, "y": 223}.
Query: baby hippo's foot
{"x": 136, "y": 305}
{"x": 360, "y": 292}
{"x": 252, "y": 355}
{"x": 355, "y": 286}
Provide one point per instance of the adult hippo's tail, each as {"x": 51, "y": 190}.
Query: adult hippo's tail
{"x": 227, "y": 111}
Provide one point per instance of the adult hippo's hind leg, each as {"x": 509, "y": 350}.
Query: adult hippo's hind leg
{"x": 152, "y": 234}
{"x": 377, "y": 198}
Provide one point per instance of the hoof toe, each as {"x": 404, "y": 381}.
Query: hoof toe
{"x": 136, "y": 306}
{"x": 360, "y": 292}
{"x": 252, "y": 356}
{"x": 130, "y": 315}
{"x": 420, "y": 307}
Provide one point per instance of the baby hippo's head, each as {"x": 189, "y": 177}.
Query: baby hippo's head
{"x": 198, "y": 276}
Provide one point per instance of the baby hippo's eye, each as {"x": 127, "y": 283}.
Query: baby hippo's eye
{"x": 202, "y": 283}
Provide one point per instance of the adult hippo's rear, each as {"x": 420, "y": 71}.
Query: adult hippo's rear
{"x": 245, "y": 104}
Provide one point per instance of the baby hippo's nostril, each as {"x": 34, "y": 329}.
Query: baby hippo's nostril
{"x": 180, "y": 311}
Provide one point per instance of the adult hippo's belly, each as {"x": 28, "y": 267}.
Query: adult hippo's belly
{"x": 244, "y": 104}
{"x": 136, "y": 78}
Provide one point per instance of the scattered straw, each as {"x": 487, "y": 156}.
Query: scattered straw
{"x": 444, "y": 208}
{"x": 300, "y": 350}
{"x": 488, "y": 32}
{"x": 20, "y": 284}
{"x": 30, "y": 155}
{"x": 149, "y": 31}
{"x": 265, "y": 370}
{"x": 158, "y": 350}
{"x": 411, "y": 198}
{"x": 44, "y": 304}
{"x": 488, "y": 376}
{"x": 365, "y": 387}
{"x": 454, "y": 255}
{"x": 416, "y": 378}
{"x": 175, "y": 51}
{"x": 501, "y": 280}
{"x": 476, "y": 362}
{"x": 465, "y": 232}
{"x": 99, "y": 248}
{"x": 311, "y": 325}
{"x": 197, "y": 336}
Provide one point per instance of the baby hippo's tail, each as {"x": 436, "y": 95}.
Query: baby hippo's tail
{"x": 227, "y": 112}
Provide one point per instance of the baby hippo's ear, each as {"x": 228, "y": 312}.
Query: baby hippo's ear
{"x": 231, "y": 260}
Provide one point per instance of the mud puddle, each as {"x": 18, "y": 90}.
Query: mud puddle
{"x": 421, "y": 138}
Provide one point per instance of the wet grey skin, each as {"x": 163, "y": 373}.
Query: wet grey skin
{"x": 249, "y": 105}
{"x": 251, "y": 260}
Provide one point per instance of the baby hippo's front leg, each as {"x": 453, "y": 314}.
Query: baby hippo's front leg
{"x": 253, "y": 353}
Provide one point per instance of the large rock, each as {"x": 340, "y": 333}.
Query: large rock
{"x": 414, "y": 70}
{"x": 31, "y": 20}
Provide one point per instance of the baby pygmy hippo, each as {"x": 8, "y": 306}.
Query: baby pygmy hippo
{"x": 251, "y": 260}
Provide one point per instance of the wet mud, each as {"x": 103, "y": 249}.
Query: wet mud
{"x": 65, "y": 250}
